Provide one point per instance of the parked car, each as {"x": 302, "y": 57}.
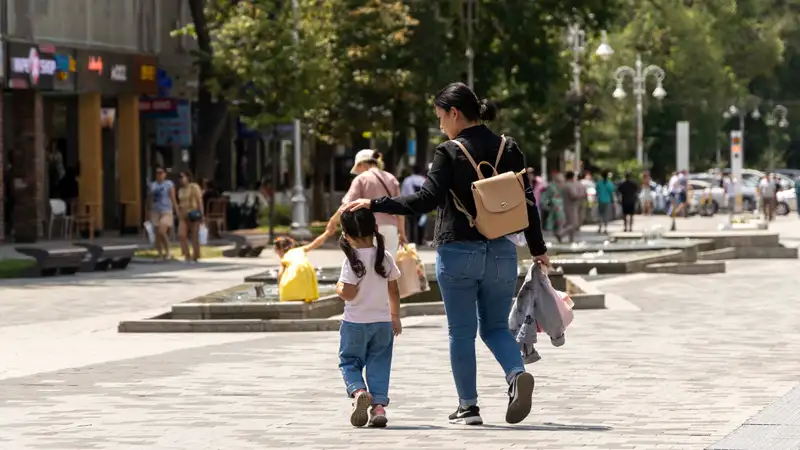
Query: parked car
{"x": 791, "y": 173}
{"x": 719, "y": 201}
{"x": 660, "y": 198}
{"x": 787, "y": 202}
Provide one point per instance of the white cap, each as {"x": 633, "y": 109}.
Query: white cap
{"x": 361, "y": 156}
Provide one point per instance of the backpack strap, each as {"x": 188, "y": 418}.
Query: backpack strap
{"x": 456, "y": 202}
{"x": 477, "y": 167}
{"x": 500, "y": 152}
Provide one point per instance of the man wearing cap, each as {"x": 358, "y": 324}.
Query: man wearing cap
{"x": 371, "y": 181}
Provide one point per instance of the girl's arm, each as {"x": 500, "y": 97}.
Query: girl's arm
{"x": 280, "y": 272}
{"x": 348, "y": 291}
{"x": 394, "y": 298}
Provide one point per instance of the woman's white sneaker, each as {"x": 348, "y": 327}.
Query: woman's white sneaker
{"x": 520, "y": 393}
{"x": 467, "y": 416}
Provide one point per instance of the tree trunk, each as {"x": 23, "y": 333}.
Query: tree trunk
{"x": 424, "y": 152}
{"x": 211, "y": 115}
{"x": 400, "y": 120}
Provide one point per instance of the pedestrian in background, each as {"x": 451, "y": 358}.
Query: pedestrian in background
{"x": 605, "y": 202}
{"x": 628, "y": 196}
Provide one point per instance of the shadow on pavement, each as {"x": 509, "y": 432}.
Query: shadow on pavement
{"x": 547, "y": 426}
{"x": 135, "y": 273}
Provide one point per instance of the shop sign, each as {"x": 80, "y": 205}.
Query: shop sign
{"x": 96, "y": 64}
{"x": 66, "y": 67}
{"x": 106, "y": 72}
{"x": 158, "y": 107}
{"x": 119, "y": 72}
{"x": 30, "y": 67}
{"x": 145, "y": 75}
{"x": 177, "y": 130}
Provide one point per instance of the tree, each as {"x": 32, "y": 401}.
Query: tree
{"x": 211, "y": 114}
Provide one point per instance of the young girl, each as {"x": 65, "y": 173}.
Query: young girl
{"x": 297, "y": 279}
{"x": 368, "y": 285}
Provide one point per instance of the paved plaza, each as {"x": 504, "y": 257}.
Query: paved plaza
{"x": 676, "y": 362}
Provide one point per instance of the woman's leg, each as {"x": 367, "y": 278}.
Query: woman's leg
{"x": 194, "y": 228}
{"x": 183, "y": 230}
{"x": 495, "y": 296}
{"x": 459, "y": 267}
{"x": 494, "y": 305}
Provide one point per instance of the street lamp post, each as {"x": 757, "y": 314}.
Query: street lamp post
{"x": 576, "y": 39}
{"x": 740, "y": 111}
{"x": 776, "y": 117}
{"x": 299, "y": 228}
{"x": 470, "y": 53}
{"x": 638, "y": 75}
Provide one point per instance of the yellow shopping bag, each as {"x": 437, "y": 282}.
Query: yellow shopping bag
{"x": 299, "y": 279}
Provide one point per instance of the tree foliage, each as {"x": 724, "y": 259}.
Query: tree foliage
{"x": 370, "y": 68}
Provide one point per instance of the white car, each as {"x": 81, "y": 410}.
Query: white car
{"x": 787, "y": 202}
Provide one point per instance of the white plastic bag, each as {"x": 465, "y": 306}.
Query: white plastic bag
{"x": 202, "y": 234}
{"x": 518, "y": 239}
{"x": 151, "y": 232}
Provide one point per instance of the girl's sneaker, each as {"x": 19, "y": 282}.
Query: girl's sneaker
{"x": 361, "y": 402}
{"x": 377, "y": 417}
{"x": 467, "y": 416}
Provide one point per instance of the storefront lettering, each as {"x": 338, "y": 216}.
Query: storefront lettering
{"x": 34, "y": 66}
{"x": 96, "y": 64}
{"x": 119, "y": 72}
{"x": 154, "y": 105}
{"x": 148, "y": 73}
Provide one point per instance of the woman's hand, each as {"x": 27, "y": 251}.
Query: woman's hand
{"x": 355, "y": 205}
{"x": 542, "y": 259}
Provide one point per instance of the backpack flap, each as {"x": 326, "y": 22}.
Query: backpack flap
{"x": 499, "y": 193}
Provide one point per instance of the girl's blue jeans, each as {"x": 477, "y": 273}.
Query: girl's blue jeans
{"x": 477, "y": 281}
{"x": 366, "y": 346}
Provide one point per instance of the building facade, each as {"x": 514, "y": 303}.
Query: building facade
{"x": 82, "y": 85}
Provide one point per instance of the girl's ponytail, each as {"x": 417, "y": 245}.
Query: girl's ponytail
{"x": 380, "y": 255}
{"x": 352, "y": 256}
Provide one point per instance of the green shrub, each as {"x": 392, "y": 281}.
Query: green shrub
{"x": 283, "y": 215}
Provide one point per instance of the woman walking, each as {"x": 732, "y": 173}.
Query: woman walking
{"x": 477, "y": 277}
{"x": 371, "y": 181}
{"x": 553, "y": 198}
{"x": 190, "y": 205}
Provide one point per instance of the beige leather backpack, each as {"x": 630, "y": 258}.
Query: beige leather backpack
{"x": 500, "y": 203}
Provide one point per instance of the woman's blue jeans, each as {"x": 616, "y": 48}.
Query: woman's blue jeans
{"x": 477, "y": 281}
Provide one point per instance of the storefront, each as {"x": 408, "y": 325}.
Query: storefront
{"x": 108, "y": 109}
{"x": 3, "y": 206}
{"x": 32, "y": 70}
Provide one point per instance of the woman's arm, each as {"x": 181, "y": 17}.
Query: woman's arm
{"x": 431, "y": 195}
{"x": 330, "y": 230}
{"x": 175, "y": 206}
{"x": 198, "y": 197}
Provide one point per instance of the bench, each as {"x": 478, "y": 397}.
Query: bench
{"x": 248, "y": 245}
{"x": 54, "y": 261}
{"x": 104, "y": 257}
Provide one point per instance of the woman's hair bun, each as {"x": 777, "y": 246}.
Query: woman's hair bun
{"x": 377, "y": 156}
{"x": 488, "y": 110}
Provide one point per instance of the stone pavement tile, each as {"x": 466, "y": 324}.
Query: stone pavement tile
{"x": 684, "y": 371}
